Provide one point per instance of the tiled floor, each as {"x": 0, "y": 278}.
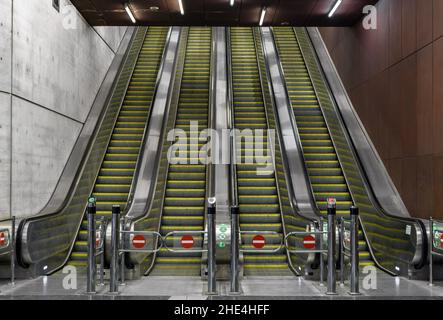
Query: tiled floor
{"x": 193, "y": 288}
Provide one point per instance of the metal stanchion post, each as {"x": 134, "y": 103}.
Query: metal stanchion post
{"x": 13, "y": 252}
{"x": 354, "y": 252}
{"x": 212, "y": 283}
{"x": 322, "y": 263}
{"x": 342, "y": 252}
{"x": 431, "y": 244}
{"x": 92, "y": 267}
{"x": 113, "y": 287}
{"x": 102, "y": 256}
{"x": 235, "y": 254}
{"x": 122, "y": 257}
{"x": 331, "y": 247}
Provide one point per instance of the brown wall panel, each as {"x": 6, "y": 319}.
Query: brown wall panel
{"x": 394, "y": 76}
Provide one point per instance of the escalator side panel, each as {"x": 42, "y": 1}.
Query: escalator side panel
{"x": 184, "y": 202}
{"x": 394, "y": 242}
{"x": 45, "y": 241}
{"x": 118, "y": 168}
{"x": 257, "y": 193}
{"x": 321, "y": 160}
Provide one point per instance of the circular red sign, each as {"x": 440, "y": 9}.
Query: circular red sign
{"x": 187, "y": 242}
{"x": 258, "y": 242}
{"x": 441, "y": 241}
{"x": 309, "y": 242}
{"x": 2, "y": 239}
{"x": 139, "y": 241}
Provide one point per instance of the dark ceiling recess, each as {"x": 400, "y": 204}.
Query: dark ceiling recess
{"x": 220, "y": 13}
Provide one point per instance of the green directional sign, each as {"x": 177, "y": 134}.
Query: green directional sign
{"x": 223, "y": 228}
{"x": 92, "y": 200}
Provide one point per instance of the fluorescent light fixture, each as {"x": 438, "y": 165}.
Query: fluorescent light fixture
{"x": 180, "y": 3}
{"x": 337, "y": 4}
{"x": 129, "y": 12}
{"x": 262, "y": 16}
{"x": 232, "y": 2}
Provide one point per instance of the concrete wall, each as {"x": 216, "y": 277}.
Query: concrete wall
{"x": 52, "y": 65}
{"x": 394, "y": 77}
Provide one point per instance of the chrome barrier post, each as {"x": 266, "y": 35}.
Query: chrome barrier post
{"x": 13, "y": 251}
{"x": 113, "y": 286}
{"x": 122, "y": 258}
{"x": 431, "y": 247}
{"x": 235, "y": 253}
{"x": 342, "y": 251}
{"x": 212, "y": 283}
{"x": 322, "y": 263}
{"x": 92, "y": 267}
{"x": 102, "y": 256}
{"x": 354, "y": 253}
{"x": 331, "y": 247}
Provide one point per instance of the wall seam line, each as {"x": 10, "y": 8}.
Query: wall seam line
{"x": 10, "y": 109}
{"x": 46, "y": 108}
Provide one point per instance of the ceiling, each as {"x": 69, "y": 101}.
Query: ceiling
{"x": 220, "y": 13}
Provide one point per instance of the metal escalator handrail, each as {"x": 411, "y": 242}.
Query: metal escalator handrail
{"x": 384, "y": 188}
{"x": 295, "y": 210}
{"x": 420, "y": 254}
{"x": 141, "y": 155}
{"x": 294, "y": 131}
{"x": 231, "y": 120}
{"x": 23, "y": 256}
{"x": 170, "y": 115}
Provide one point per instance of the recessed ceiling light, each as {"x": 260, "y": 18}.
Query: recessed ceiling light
{"x": 262, "y": 16}
{"x": 337, "y": 4}
{"x": 129, "y": 12}
{"x": 154, "y": 8}
{"x": 232, "y": 2}
{"x": 180, "y": 4}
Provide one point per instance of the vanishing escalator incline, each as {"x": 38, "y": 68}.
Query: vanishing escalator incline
{"x": 184, "y": 203}
{"x": 117, "y": 171}
{"x": 257, "y": 189}
{"x": 322, "y": 164}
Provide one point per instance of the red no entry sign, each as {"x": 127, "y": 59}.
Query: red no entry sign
{"x": 258, "y": 242}
{"x": 309, "y": 242}
{"x": 2, "y": 239}
{"x": 139, "y": 241}
{"x": 441, "y": 241}
{"x": 187, "y": 242}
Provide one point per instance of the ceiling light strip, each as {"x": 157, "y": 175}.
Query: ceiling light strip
{"x": 337, "y": 4}
{"x": 130, "y": 14}
{"x": 262, "y": 17}
{"x": 180, "y": 4}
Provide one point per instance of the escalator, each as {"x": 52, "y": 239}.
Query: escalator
{"x": 257, "y": 190}
{"x": 184, "y": 202}
{"x": 114, "y": 180}
{"x": 321, "y": 160}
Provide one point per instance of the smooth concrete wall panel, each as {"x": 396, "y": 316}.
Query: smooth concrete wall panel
{"x": 42, "y": 143}
{"x": 5, "y": 45}
{"x": 57, "y": 64}
{"x": 111, "y": 35}
{"x": 400, "y": 98}
{"x": 5, "y": 154}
